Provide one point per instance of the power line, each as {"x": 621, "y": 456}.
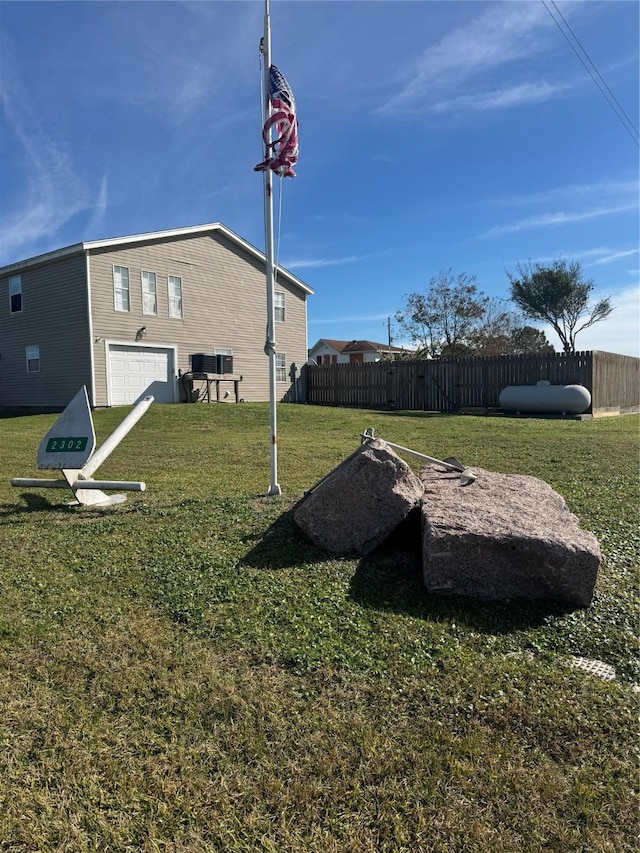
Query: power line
{"x": 604, "y": 82}
{"x": 619, "y": 111}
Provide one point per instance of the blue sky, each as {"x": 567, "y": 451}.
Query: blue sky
{"x": 433, "y": 135}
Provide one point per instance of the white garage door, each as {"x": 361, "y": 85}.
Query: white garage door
{"x": 135, "y": 372}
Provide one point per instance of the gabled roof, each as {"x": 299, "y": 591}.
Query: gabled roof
{"x": 370, "y": 346}
{"x": 357, "y": 346}
{"x": 336, "y": 345}
{"x": 79, "y": 248}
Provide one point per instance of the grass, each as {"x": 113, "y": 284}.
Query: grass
{"x": 185, "y": 672}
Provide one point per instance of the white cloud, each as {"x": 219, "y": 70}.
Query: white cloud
{"x": 197, "y": 77}
{"x": 99, "y": 209}
{"x": 321, "y": 262}
{"x": 601, "y": 254}
{"x": 609, "y": 189}
{"x": 358, "y": 319}
{"x": 53, "y": 193}
{"x": 614, "y": 256}
{"x": 559, "y": 218}
{"x": 503, "y": 98}
{"x": 504, "y": 33}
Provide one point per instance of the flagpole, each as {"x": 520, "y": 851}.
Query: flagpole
{"x": 270, "y": 345}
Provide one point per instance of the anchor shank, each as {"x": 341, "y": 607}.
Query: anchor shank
{"x": 116, "y": 437}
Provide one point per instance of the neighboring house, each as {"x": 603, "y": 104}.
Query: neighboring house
{"x": 123, "y": 317}
{"x": 327, "y": 351}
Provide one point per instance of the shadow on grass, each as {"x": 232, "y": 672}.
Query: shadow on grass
{"x": 32, "y": 503}
{"x": 283, "y": 546}
{"x": 390, "y": 579}
{"x": 37, "y": 503}
{"x": 418, "y": 413}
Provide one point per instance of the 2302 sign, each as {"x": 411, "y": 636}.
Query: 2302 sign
{"x": 56, "y": 445}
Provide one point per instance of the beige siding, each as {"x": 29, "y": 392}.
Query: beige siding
{"x": 224, "y": 307}
{"x": 55, "y": 317}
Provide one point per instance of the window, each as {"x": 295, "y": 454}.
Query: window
{"x": 175, "y": 297}
{"x": 281, "y": 367}
{"x": 33, "y": 359}
{"x": 121, "y": 289}
{"x": 15, "y": 293}
{"x": 278, "y": 306}
{"x": 149, "y": 293}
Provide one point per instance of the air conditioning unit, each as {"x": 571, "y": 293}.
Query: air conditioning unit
{"x": 202, "y": 362}
{"x": 225, "y": 364}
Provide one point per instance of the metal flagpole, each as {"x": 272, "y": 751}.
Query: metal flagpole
{"x": 270, "y": 345}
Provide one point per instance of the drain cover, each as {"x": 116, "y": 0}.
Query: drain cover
{"x": 594, "y": 667}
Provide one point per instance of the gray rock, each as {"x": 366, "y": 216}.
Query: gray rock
{"x": 361, "y": 502}
{"x": 504, "y": 536}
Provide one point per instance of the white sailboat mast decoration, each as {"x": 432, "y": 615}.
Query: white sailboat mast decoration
{"x": 281, "y": 154}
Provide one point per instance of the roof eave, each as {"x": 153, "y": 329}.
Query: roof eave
{"x": 77, "y": 248}
{"x": 199, "y": 229}
{"x": 67, "y": 251}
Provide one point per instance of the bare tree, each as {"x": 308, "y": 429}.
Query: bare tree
{"x": 558, "y": 295}
{"x": 453, "y": 318}
{"x": 442, "y": 320}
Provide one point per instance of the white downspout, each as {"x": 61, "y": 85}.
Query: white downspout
{"x": 92, "y": 384}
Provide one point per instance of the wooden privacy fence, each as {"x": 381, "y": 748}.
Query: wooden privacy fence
{"x": 616, "y": 383}
{"x": 451, "y": 384}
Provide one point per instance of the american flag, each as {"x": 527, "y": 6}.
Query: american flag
{"x": 282, "y": 153}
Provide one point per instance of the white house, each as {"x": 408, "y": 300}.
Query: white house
{"x": 327, "y": 351}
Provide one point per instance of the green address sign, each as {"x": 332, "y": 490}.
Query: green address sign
{"x": 56, "y": 445}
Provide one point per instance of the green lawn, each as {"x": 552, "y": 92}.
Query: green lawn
{"x": 184, "y": 672}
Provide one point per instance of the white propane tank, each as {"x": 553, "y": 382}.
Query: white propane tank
{"x": 545, "y": 397}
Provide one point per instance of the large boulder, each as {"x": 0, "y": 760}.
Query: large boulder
{"x": 361, "y": 501}
{"x": 504, "y": 536}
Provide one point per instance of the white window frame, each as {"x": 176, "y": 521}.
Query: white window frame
{"x": 281, "y": 367}
{"x": 279, "y": 306}
{"x": 147, "y": 277}
{"x": 32, "y": 354}
{"x": 175, "y": 302}
{"x": 119, "y": 290}
{"x": 15, "y": 289}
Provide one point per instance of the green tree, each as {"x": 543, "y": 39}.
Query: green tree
{"x": 529, "y": 339}
{"x": 558, "y": 295}
{"x": 441, "y": 321}
{"x": 503, "y": 331}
